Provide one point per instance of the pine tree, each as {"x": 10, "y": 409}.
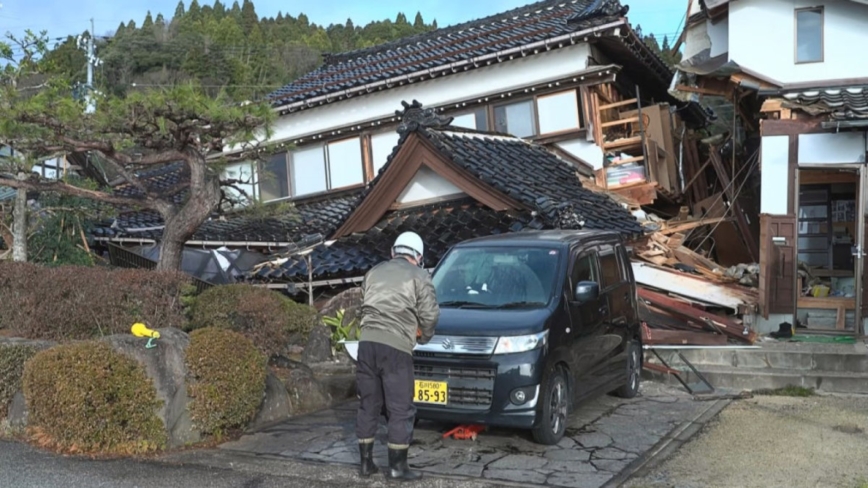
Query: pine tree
{"x": 131, "y": 26}
{"x": 120, "y": 30}
{"x": 249, "y": 19}
{"x": 149, "y": 21}
{"x": 195, "y": 11}
{"x": 160, "y": 22}
{"x": 401, "y": 19}
{"x": 236, "y": 10}
{"x": 219, "y": 10}
{"x": 179, "y": 10}
{"x": 419, "y": 23}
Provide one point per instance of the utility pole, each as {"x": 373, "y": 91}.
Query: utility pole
{"x": 91, "y": 59}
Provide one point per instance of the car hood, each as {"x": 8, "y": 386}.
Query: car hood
{"x": 482, "y": 322}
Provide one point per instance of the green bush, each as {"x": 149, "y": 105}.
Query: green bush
{"x": 80, "y": 303}
{"x": 85, "y": 397}
{"x": 267, "y": 318}
{"x": 226, "y": 379}
{"x": 12, "y": 359}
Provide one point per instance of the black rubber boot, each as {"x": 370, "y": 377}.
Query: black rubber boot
{"x": 398, "y": 468}
{"x": 368, "y": 467}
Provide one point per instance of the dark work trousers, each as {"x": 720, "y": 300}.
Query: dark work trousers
{"x": 385, "y": 374}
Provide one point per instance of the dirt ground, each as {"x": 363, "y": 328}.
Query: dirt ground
{"x": 773, "y": 441}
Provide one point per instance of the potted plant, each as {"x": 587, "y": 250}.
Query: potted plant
{"x": 344, "y": 337}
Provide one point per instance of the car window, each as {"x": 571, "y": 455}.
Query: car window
{"x": 610, "y": 272}
{"x": 497, "y": 276}
{"x": 585, "y": 269}
{"x": 623, "y": 262}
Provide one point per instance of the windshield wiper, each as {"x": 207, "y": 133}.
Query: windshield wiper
{"x": 463, "y": 303}
{"x": 520, "y": 305}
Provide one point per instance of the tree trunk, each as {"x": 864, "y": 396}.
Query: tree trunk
{"x": 183, "y": 221}
{"x": 19, "y": 224}
{"x": 171, "y": 253}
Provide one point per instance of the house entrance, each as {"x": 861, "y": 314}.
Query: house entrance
{"x": 829, "y": 239}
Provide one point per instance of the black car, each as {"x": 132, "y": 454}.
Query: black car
{"x": 531, "y": 325}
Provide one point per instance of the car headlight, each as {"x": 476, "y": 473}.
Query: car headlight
{"x": 514, "y": 344}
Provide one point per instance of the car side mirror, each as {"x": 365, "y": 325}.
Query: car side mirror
{"x": 586, "y": 291}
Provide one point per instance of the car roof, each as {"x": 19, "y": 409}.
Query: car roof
{"x": 561, "y": 238}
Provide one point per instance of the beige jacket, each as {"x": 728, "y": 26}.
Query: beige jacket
{"x": 397, "y": 299}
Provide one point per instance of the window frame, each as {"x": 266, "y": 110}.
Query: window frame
{"x": 328, "y": 163}
{"x": 260, "y": 174}
{"x": 580, "y": 254}
{"x": 533, "y": 115}
{"x": 607, "y": 250}
{"x": 579, "y": 113}
{"x": 822, "y": 11}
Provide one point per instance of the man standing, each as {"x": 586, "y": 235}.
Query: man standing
{"x": 399, "y": 308}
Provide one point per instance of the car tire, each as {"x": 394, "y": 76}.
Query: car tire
{"x": 554, "y": 409}
{"x": 634, "y": 371}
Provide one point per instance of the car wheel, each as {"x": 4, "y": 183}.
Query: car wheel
{"x": 634, "y": 371}
{"x": 552, "y": 420}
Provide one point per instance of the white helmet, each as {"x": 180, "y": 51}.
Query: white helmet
{"x": 409, "y": 243}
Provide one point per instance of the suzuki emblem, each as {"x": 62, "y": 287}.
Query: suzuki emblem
{"x": 447, "y": 344}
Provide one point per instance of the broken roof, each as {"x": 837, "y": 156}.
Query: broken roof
{"x": 508, "y": 185}
{"x": 844, "y": 103}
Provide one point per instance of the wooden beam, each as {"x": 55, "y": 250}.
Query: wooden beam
{"x": 740, "y": 219}
{"x": 702, "y": 91}
{"x": 675, "y": 229}
{"x": 696, "y": 175}
{"x": 620, "y": 122}
{"x": 622, "y": 103}
{"x": 625, "y": 142}
{"x": 643, "y": 194}
{"x": 725, "y": 324}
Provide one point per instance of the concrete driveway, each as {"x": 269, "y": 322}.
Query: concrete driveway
{"x": 605, "y": 441}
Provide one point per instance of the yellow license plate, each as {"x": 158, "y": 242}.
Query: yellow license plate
{"x": 430, "y": 392}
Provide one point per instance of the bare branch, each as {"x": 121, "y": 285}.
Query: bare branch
{"x": 65, "y": 188}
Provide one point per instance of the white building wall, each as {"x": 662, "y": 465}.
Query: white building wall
{"x": 426, "y": 185}
{"x": 518, "y": 73}
{"x": 774, "y": 172}
{"x": 762, "y": 39}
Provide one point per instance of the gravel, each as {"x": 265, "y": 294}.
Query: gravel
{"x": 772, "y": 441}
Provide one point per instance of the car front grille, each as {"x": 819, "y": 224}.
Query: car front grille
{"x": 452, "y": 346}
{"x": 468, "y": 387}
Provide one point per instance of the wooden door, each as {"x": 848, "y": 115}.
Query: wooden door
{"x": 777, "y": 282}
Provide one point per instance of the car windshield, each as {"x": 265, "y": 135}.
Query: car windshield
{"x": 496, "y": 277}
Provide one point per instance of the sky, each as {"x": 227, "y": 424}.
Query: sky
{"x": 63, "y": 17}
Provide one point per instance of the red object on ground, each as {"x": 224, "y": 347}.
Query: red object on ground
{"x": 464, "y": 432}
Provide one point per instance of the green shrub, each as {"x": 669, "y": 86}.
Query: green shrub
{"x": 85, "y": 397}
{"x": 12, "y": 359}
{"x": 226, "y": 379}
{"x": 79, "y": 303}
{"x": 267, "y": 318}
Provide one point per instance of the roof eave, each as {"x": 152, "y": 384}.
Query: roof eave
{"x": 547, "y": 44}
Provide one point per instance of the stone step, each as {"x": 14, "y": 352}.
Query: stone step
{"x": 738, "y": 378}
{"x": 854, "y": 362}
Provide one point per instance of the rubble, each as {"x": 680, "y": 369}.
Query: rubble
{"x": 685, "y": 297}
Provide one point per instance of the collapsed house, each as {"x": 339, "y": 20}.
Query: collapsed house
{"x": 553, "y": 115}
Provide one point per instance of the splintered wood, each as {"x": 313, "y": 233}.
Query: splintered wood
{"x": 686, "y": 298}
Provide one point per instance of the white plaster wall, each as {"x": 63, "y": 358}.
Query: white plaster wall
{"x": 427, "y": 184}
{"x": 696, "y": 40}
{"x": 719, "y": 35}
{"x": 520, "y": 72}
{"x": 762, "y": 39}
{"x": 832, "y": 148}
{"x": 585, "y": 150}
{"x": 774, "y": 173}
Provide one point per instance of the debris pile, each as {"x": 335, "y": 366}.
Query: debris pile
{"x": 685, "y": 297}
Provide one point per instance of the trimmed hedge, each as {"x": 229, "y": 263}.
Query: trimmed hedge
{"x": 87, "y": 398}
{"x": 79, "y": 303}
{"x": 226, "y": 379}
{"x": 12, "y": 359}
{"x": 269, "y": 319}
